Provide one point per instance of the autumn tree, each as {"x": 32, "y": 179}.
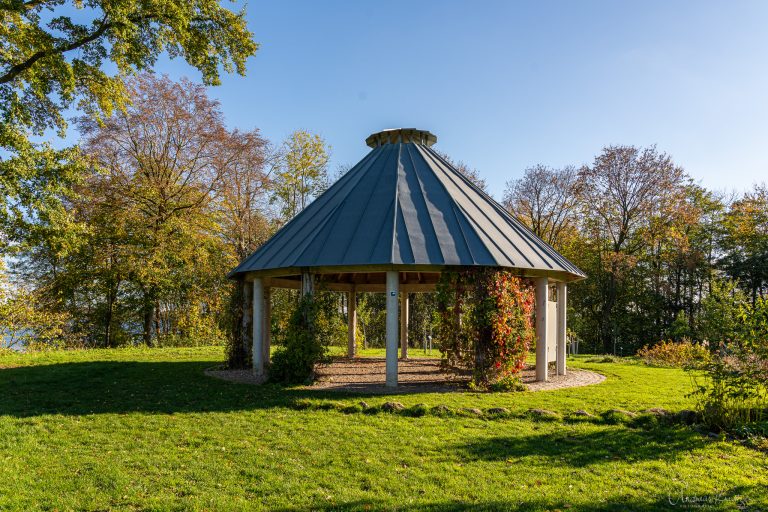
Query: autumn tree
{"x": 172, "y": 201}
{"x": 546, "y": 200}
{"x": 630, "y": 196}
{"x": 51, "y": 62}
{"x": 243, "y": 194}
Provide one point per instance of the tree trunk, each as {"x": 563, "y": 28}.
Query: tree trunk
{"x": 608, "y": 333}
{"x": 149, "y": 313}
{"x": 108, "y": 341}
{"x": 157, "y": 322}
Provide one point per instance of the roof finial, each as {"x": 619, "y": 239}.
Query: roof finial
{"x": 401, "y": 136}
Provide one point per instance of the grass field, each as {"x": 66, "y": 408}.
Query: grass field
{"x": 146, "y": 430}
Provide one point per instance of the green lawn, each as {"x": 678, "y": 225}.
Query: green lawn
{"x": 146, "y": 430}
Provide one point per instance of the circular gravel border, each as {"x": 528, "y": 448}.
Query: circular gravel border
{"x": 366, "y": 375}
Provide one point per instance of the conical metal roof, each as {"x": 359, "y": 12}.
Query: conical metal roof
{"x": 405, "y": 206}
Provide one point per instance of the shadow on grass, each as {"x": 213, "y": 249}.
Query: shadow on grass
{"x": 99, "y": 387}
{"x": 586, "y": 448}
{"x": 737, "y": 498}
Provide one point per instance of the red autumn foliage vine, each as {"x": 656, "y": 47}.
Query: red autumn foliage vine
{"x": 485, "y": 324}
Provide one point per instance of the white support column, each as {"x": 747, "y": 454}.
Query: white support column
{"x": 562, "y": 296}
{"x": 247, "y": 330}
{"x": 542, "y": 289}
{"x": 267, "y": 324}
{"x": 352, "y": 323}
{"x": 258, "y": 327}
{"x": 307, "y": 283}
{"x": 404, "y": 324}
{"x": 393, "y": 284}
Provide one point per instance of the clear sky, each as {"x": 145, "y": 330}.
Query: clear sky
{"x": 505, "y": 85}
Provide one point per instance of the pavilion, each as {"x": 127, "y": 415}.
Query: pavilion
{"x": 392, "y": 224}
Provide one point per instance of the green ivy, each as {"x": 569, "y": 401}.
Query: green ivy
{"x": 310, "y": 331}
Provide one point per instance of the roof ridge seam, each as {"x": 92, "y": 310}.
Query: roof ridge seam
{"x": 381, "y": 230}
{"x": 282, "y": 232}
{"x": 484, "y": 214}
{"x": 424, "y": 199}
{"x": 277, "y": 236}
{"x": 527, "y": 232}
{"x": 464, "y": 235}
{"x": 468, "y": 218}
{"x": 319, "y": 229}
{"x": 397, "y": 196}
{"x": 380, "y": 149}
{"x": 407, "y": 238}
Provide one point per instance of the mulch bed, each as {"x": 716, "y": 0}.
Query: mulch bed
{"x": 367, "y": 375}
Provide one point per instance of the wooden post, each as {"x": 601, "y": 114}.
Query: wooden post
{"x": 267, "y": 324}
{"x": 352, "y": 322}
{"x": 542, "y": 289}
{"x": 258, "y": 327}
{"x": 404, "y": 324}
{"x": 562, "y": 293}
{"x": 393, "y": 284}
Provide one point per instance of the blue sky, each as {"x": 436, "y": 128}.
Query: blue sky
{"x": 506, "y": 85}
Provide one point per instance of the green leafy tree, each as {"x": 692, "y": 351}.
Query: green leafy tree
{"x": 720, "y": 309}
{"x": 679, "y": 328}
{"x": 372, "y": 316}
{"x": 50, "y": 61}
{"x": 24, "y": 321}
{"x": 745, "y": 242}
{"x": 302, "y": 172}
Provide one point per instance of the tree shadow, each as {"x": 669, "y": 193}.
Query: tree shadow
{"x": 580, "y": 449}
{"x": 747, "y": 498}
{"x": 98, "y": 387}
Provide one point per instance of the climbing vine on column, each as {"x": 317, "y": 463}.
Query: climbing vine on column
{"x": 485, "y": 324}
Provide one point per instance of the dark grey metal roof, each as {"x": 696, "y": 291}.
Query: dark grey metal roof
{"x": 404, "y": 205}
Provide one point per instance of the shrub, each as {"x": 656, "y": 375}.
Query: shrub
{"x": 508, "y": 383}
{"x": 305, "y": 343}
{"x": 735, "y": 388}
{"x": 238, "y": 355}
{"x": 681, "y": 354}
{"x": 27, "y": 323}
